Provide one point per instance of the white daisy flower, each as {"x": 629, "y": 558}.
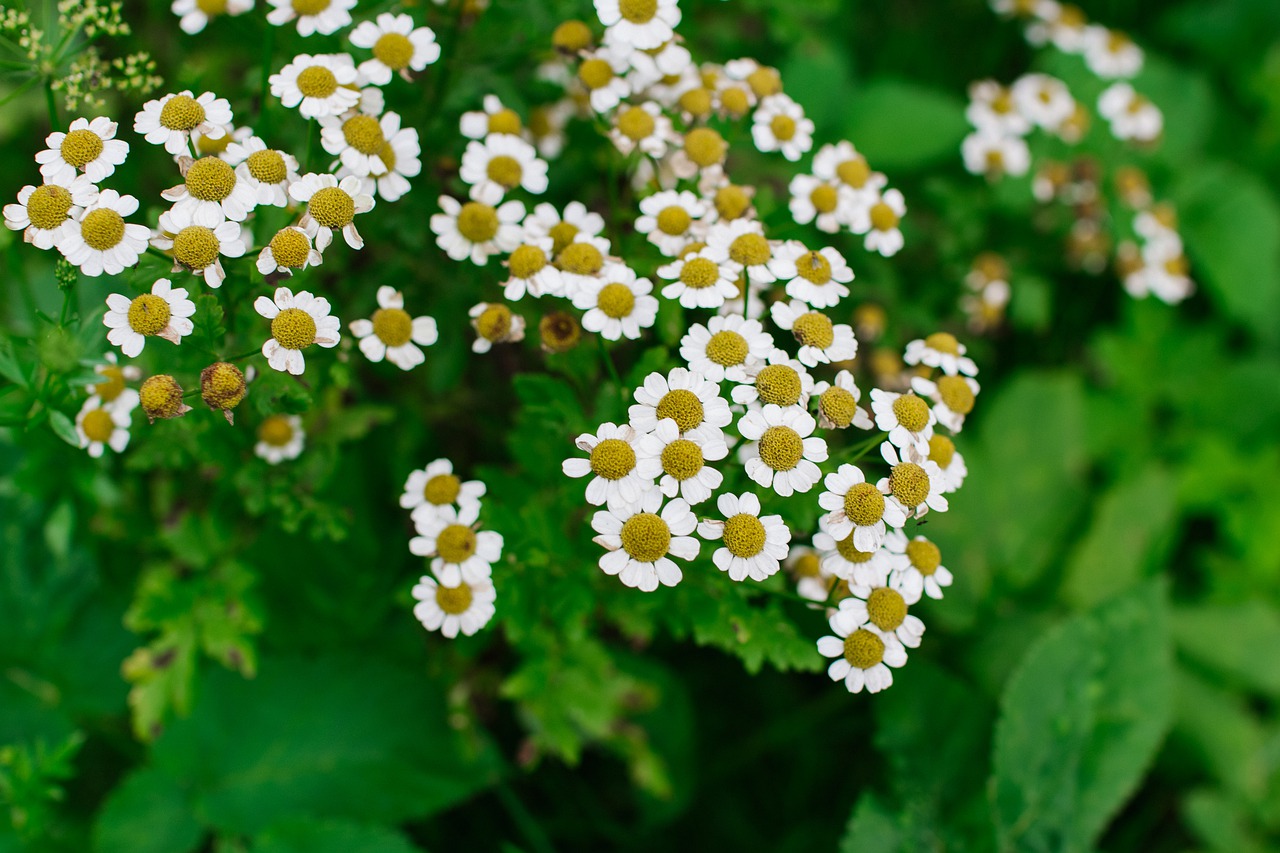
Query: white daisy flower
{"x": 398, "y": 47}
{"x": 1165, "y": 278}
{"x": 297, "y": 322}
{"x": 649, "y": 68}
{"x": 319, "y": 85}
{"x": 862, "y": 655}
{"x": 784, "y": 451}
{"x": 943, "y": 351}
{"x": 779, "y": 124}
{"x": 620, "y": 474}
{"x": 688, "y": 398}
{"x": 842, "y": 164}
{"x": 805, "y": 568}
{"x": 358, "y": 140}
{"x": 502, "y": 162}
{"x": 838, "y": 404}
{"x": 953, "y": 398}
{"x": 194, "y": 15}
{"x": 988, "y": 152}
{"x": 726, "y": 347}
{"x": 841, "y": 558}
{"x": 914, "y": 487}
{"x": 826, "y": 204}
{"x": 885, "y": 236}
{"x": 170, "y": 120}
{"x": 642, "y": 126}
{"x": 754, "y": 545}
{"x": 459, "y": 552}
{"x": 818, "y": 278}
{"x": 698, "y": 281}
{"x": 88, "y": 146}
{"x": 493, "y": 119}
{"x": 400, "y": 155}
{"x": 164, "y": 312}
{"x": 683, "y": 458}
{"x": 639, "y": 537}
{"x": 1062, "y": 24}
{"x": 478, "y": 228}
{"x": 918, "y": 563}
{"x": 778, "y": 380}
{"x": 1045, "y": 101}
{"x": 331, "y": 206}
{"x": 313, "y": 16}
{"x": 942, "y": 451}
{"x": 992, "y": 107}
{"x": 906, "y": 417}
{"x": 857, "y": 507}
{"x": 112, "y": 392}
{"x": 494, "y": 324}
{"x": 215, "y": 146}
{"x": 465, "y": 607}
{"x": 46, "y": 213}
{"x": 741, "y": 244}
{"x": 532, "y": 271}
{"x": 211, "y": 193}
{"x": 1110, "y": 53}
{"x": 602, "y": 73}
{"x": 280, "y": 438}
{"x": 198, "y": 248}
{"x": 266, "y": 171}
{"x": 882, "y": 606}
{"x": 429, "y": 489}
{"x": 100, "y": 426}
{"x": 392, "y": 334}
{"x": 821, "y": 341}
{"x": 100, "y": 240}
{"x": 641, "y": 24}
{"x": 1131, "y": 115}
{"x": 670, "y": 220}
{"x": 618, "y": 304}
{"x": 563, "y": 229}
{"x": 290, "y": 249}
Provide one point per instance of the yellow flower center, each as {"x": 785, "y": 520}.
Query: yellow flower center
{"x": 210, "y": 179}
{"x": 393, "y": 326}
{"x": 275, "y": 431}
{"x": 735, "y": 101}
{"x": 883, "y": 217}
{"x": 526, "y": 261}
{"x": 454, "y": 600}
{"x": 783, "y": 127}
{"x": 571, "y": 36}
{"x": 886, "y": 608}
{"x": 638, "y": 11}
{"x": 387, "y": 154}
{"x": 97, "y": 425}
{"x": 494, "y": 323}
{"x": 364, "y": 134}
{"x": 212, "y": 7}
{"x": 222, "y": 385}
{"x": 924, "y": 555}
{"x": 750, "y": 250}
{"x": 682, "y": 459}
{"x": 595, "y": 73}
{"x": 636, "y": 123}
{"x": 699, "y": 273}
{"x": 683, "y": 407}
{"x": 854, "y": 172}
{"x": 956, "y": 394}
{"x": 310, "y": 7}
{"x": 912, "y": 412}
{"x": 825, "y": 198}
{"x": 613, "y": 459}
{"x": 732, "y": 202}
{"x": 560, "y": 331}
{"x": 332, "y": 207}
{"x": 208, "y": 145}
{"x": 764, "y": 82}
{"x": 477, "y": 222}
{"x": 102, "y": 229}
{"x": 316, "y": 81}
{"x": 846, "y": 549}
{"x": 814, "y": 329}
{"x": 909, "y": 483}
{"x": 581, "y": 259}
{"x": 807, "y": 566}
{"x": 814, "y": 267}
{"x": 294, "y": 328}
{"x": 267, "y": 166}
{"x": 456, "y": 543}
{"x": 616, "y": 300}
{"x": 48, "y": 207}
{"x": 148, "y": 314}
{"x": 942, "y": 450}
{"x": 112, "y": 384}
{"x": 674, "y": 220}
{"x": 727, "y": 348}
{"x": 442, "y": 489}
{"x": 838, "y": 405}
{"x": 863, "y": 649}
{"x": 781, "y": 448}
{"x": 393, "y": 50}
{"x": 505, "y": 121}
{"x": 943, "y": 342}
{"x": 161, "y": 397}
{"x": 744, "y": 535}
{"x": 196, "y": 247}
{"x": 779, "y": 384}
{"x": 697, "y": 102}
{"x": 290, "y": 248}
{"x": 505, "y": 171}
{"x": 705, "y": 147}
{"x": 80, "y": 148}
{"x": 182, "y": 113}
{"x": 646, "y": 537}
{"x": 562, "y": 236}
{"x": 864, "y": 505}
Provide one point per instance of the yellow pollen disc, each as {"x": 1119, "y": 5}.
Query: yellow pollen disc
{"x": 727, "y": 348}
{"x": 814, "y": 329}
{"x": 332, "y": 207}
{"x": 1072, "y": 17}
{"x": 683, "y": 407}
{"x": 638, "y": 11}
{"x": 222, "y": 385}
{"x": 674, "y": 220}
{"x": 646, "y": 537}
{"x": 882, "y": 217}
{"x": 48, "y": 206}
{"x": 316, "y": 81}
{"x": 456, "y": 543}
{"x": 846, "y": 549}
{"x": 393, "y": 326}
{"x": 595, "y": 73}
{"x": 560, "y": 331}
{"x": 102, "y": 229}
{"x": 779, "y": 384}
{"x": 494, "y": 323}
{"x": 750, "y": 250}
{"x": 942, "y": 450}
{"x": 814, "y": 267}
{"x": 735, "y": 101}
{"x": 807, "y": 566}
{"x": 732, "y": 202}
{"x": 454, "y": 600}
{"x": 764, "y": 82}
{"x": 208, "y": 145}
{"x": 864, "y": 505}
{"x": 310, "y": 7}
{"x": 705, "y": 147}
{"x": 196, "y": 247}
{"x": 783, "y": 127}
{"x": 838, "y": 405}
{"x": 924, "y": 555}
{"x": 477, "y": 222}
{"x": 636, "y": 123}
{"x": 682, "y": 459}
{"x": 562, "y": 236}
{"x": 571, "y": 36}
{"x": 148, "y": 314}
{"x": 698, "y": 273}
{"x": 364, "y": 134}
{"x": 943, "y": 342}
{"x": 697, "y": 102}
{"x": 863, "y": 649}
{"x": 995, "y": 160}
{"x": 393, "y": 50}
{"x": 294, "y": 328}
{"x": 267, "y": 166}
{"x": 824, "y": 198}
{"x": 956, "y": 394}
{"x": 275, "y": 431}
{"x": 210, "y": 179}
{"x": 613, "y": 459}
{"x": 693, "y": 248}
{"x": 854, "y": 172}
{"x": 442, "y": 489}
{"x": 387, "y": 154}
{"x": 909, "y": 483}
{"x": 505, "y": 171}
{"x": 581, "y": 259}
{"x": 744, "y": 535}
{"x": 781, "y": 448}
{"x": 886, "y": 608}
{"x": 181, "y": 112}
{"x": 112, "y": 384}
{"x": 616, "y": 300}
{"x": 912, "y": 412}
{"x": 505, "y": 121}
{"x": 290, "y": 248}
{"x": 212, "y": 7}
{"x": 97, "y": 425}
{"x": 80, "y": 148}
{"x": 526, "y": 261}
{"x": 161, "y": 397}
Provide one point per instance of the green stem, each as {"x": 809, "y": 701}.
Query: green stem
{"x": 267, "y": 42}
{"x": 607, "y": 358}
{"x": 66, "y": 306}
{"x": 243, "y": 356}
{"x": 860, "y": 450}
{"x": 18, "y": 91}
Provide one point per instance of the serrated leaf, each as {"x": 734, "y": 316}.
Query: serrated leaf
{"x": 146, "y": 813}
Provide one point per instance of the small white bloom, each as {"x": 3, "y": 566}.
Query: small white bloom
{"x": 100, "y": 240}
{"x": 838, "y": 404}
{"x": 112, "y": 391}
{"x": 862, "y": 655}
{"x": 989, "y": 152}
{"x": 100, "y": 427}
{"x": 805, "y": 567}
{"x": 280, "y": 438}
{"x": 818, "y": 278}
{"x": 726, "y": 347}
{"x": 602, "y": 72}
{"x": 842, "y": 164}
{"x": 779, "y": 124}
{"x": 914, "y": 487}
{"x": 821, "y": 341}
{"x": 319, "y": 85}
{"x": 46, "y": 213}
{"x": 778, "y": 379}
{"x": 828, "y": 205}
{"x": 211, "y": 193}
{"x": 618, "y": 304}
{"x": 952, "y": 397}
{"x": 1110, "y": 53}
{"x": 400, "y": 155}
{"x": 741, "y": 244}
{"x": 683, "y": 458}
{"x": 477, "y": 229}
{"x": 460, "y": 553}
{"x": 885, "y": 236}
{"x": 882, "y": 606}
{"x": 992, "y": 107}
{"x": 199, "y": 248}
{"x": 1131, "y": 115}
{"x": 942, "y": 452}
{"x": 494, "y": 324}
{"x": 313, "y": 16}
{"x": 290, "y": 249}
{"x": 268, "y": 171}
{"x": 465, "y": 607}
{"x": 645, "y": 127}
{"x": 783, "y": 451}
{"x": 754, "y": 545}
{"x": 88, "y": 146}
{"x": 393, "y": 334}
{"x": 170, "y": 120}
{"x": 495, "y": 118}
{"x": 398, "y": 47}
{"x": 699, "y": 281}
{"x": 857, "y": 507}
{"x": 841, "y": 558}
{"x": 194, "y": 15}
{"x": 639, "y": 537}
{"x": 637, "y": 23}
{"x": 358, "y": 140}
{"x": 164, "y": 313}
{"x": 331, "y": 206}
{"x": 1045, "y": 101}
{"x": 671, "y": 219}
{"x": 917, "y": 564}
{"x": 502, "y": 162}
{"x": 943, "y": 351}
{"x": 435, "y": 486}
{"x": 532, "y": 271}
{"x": 620, "y": 474}
{"x": 545, "y": 221}
{"x": 690, "y": 399}
{"x": 906, "y": 417}
{"x": 297, "y": 322}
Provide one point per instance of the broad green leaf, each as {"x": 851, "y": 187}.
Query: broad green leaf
{"x": 872, "y": 828}
{"x": 64, "y": 428}
{"x": 330, "y": 836}
{"x": 817, "y": 75}
{"x": 1224, "y": 732}
{"x": 898, "y": 125}
{"x": 1219, "y": 822}
{"x": 149, "y": 812}
{"x": 1232, "y": 639}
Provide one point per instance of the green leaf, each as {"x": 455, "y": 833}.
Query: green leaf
{"x": 872, "y": 828}
{"x": 330, "y": 836}
{"x": 1229, "y": 638}
{"x": 64, "y": 428}
{"x": 147, "y": 813}
{"x": 902, "y": 125}
{"x": 817, "y": 75}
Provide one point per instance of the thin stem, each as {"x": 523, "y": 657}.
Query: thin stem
{"x": 66, "y": 306}
{"x": 860, "y": 450}
{"x": 243, "y": 356}
{"x": 54, "y": 122}
{"x": 267, "y": 43}
{"x": 18, "y": 91}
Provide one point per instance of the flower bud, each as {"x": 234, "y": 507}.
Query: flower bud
{"x": 222, "y": 387}
{"x": 161, "y": 397}
{"x": 560, "y": 331}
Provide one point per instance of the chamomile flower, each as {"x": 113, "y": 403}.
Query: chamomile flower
{"x": 821, "y": 341}
{"x": 194, "y": 15}
{"x": 532, "y": 271}
{"x": 779, "y": 124}
{"x": 826, "y": 204}
{"x": 641, "y": 538}
{"x": 602, "y": 72}
{"x": 112, "y": 391}
{"x": 320, "y": 85}
{"x": 100, "y": 426}
{"x": 199, "y": 248}
{"x": 280, "y": 438}
{"x": 784, "y": 452}
{"x": 918, "y": 563}
{"x": 398, "y": 47}
{"x": 459, "y": 552}
{"x": 699, "y": 281}
{"x": 885, "y": 237}
{"x": 1131, "y": 115}
{"x": 942, "y": 451}
{"x": 906, "y": 417}
{"x": 640, "y": 24}
{"x": 863, "y": 656}
{"x": 914, "y": 487}
{"x": 563, "y": 228}
{"x": 331, "y": 206}
{"x": 857, "y": 507}
{"x": 358, "y": 140}
{"x": 88, "y": 147}
{"x": 215, "y": 146}
{"x": 620, "y": 475}
{"x": 805, "y": 567}
{"x": 266, "y": 171}
{"x": 838, "y": 404}
{"x": 297, "y": 322}
{"x": 288, "y": 250}
{"x": 212, "y": 192}
{"x": 465, "y": 607}
{"x": 45, "y": 213}
{"x": 754, "y": 545}
{"x": 842, "y": 164}
{"x": 100, "y": 240}
{"x": 494, "y": 324}
{"x": 644, "y": 127}
{"x": 618, "y": 304}
{"x": 400, "y": 155}
{"x": 953, "y": 398}
{"x": 943, "y": 351}
{"x": 170, "y": 120}
{"x": 742, "y": 244}
{"x": 393, "y": 334}
{"x": 313, "y": 16}
{"x": 429, "y": 489}
{"x": 671, "y": 219}
{"x": 725, "y": 348}
{"x": 817, "y": 277}
{"x": 689, "y": 399}
{"x": 164, "y": 313}
{"x": 777, "y": 380}
{"x": 1045, "y": 101}
{"x": 502, "y": 162}
{"x": 477, "y": 229}
{"x": 684, "y": 457}
{"x": 882, "y": 606}
{"x": 992, "y": 107}
{"x": 841, "y": 558}
{"x": 1110, "y": 53}
{"x": 987, "y": 152}
{"x": 495, "y": 118}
